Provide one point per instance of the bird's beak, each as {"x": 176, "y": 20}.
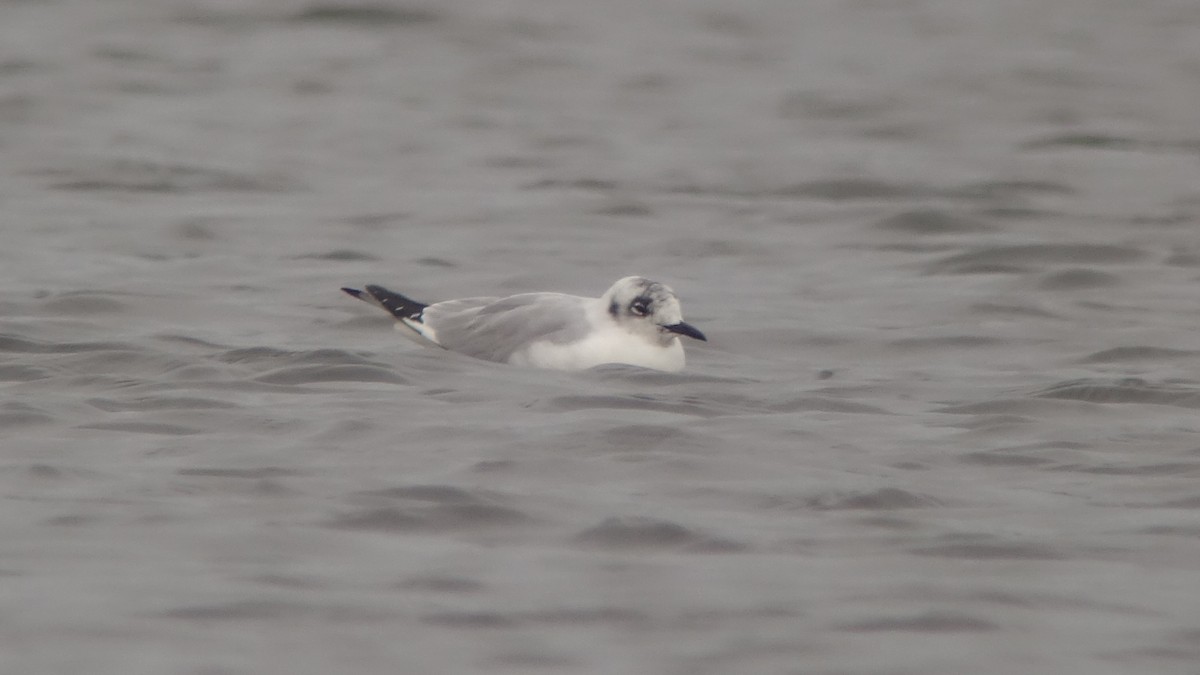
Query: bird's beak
{"x": 685, "y": 329}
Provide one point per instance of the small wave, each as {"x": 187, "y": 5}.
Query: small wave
{"x": 439, "y": 583}
{"x": 340, "y": 255}
{"x": 267, "y": 609}
{"x": 142, "y": 404}
{"x": 1008, "y": 310}
{"x": 932, "y": 222}
{"x": 949, "y": 342}
{"x": 293, "y": 375}
{"x": 1077, "y": 279}
{"x": 644, "y": 532}
{"x": 14, "y": 414}
{"x": 437, "y": 518}
{"x": 127, "y": 175}
{"x": 650, "y": 403}
{"x": 932, "y": 622}
{"x": 274, "y": 356}
{"x": 144, "y": 428}
{"x": 1009, "y": 189}
{"x": 882, "y": 499}
{"x": 993, "y": 259}
{"x": 366, "y": 15}
{"x": 992, "y": 551}
{"x": 408, "y": 508}
{"x": 1138, "y": 353}
{"x": 1128, "y": 390}
{"x": 253, "y": 473}
{"x": 22, "y": 373}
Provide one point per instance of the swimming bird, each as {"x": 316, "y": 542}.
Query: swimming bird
{"x": 636, "y": 322}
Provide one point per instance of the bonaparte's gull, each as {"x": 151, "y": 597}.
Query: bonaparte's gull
{"x": 636, "y": 322}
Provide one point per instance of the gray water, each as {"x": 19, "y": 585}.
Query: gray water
{"x": 946, "y": 254}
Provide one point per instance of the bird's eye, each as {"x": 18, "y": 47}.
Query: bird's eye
{"x": 639, "y": 308}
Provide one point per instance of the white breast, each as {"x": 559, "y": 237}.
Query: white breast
{"x": 607, "y": 346}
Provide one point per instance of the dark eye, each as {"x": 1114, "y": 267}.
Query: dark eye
{"x": 639, "y": 308}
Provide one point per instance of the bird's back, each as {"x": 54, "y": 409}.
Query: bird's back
{"x": 497, "y": 328}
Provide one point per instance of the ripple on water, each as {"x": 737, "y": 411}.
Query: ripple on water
{"x": 643, "y": 436}
{"x": 930, "y": 622}
{"x": 1012, "y": 310}
{"x": 1029, "y": 257}
{"x": 644, "y": 376}
{"x": 949, "y": 342}
{"x": 15, "y": 413}
{"x": 272, "y": 356}
{"x": 18, "y": 344}
{"x": 641, "y": 532}
{"x": 991, "y": 550}
{"x": 852, "y": 189}
{"x": 1018, "y": 407}
{"x": 1139, "y": 353}
{"x": 135, "y": 427}
{"x": 438, "y": 508}
{"x": 23, "y": 373}
{"x": 1127, "y": 390}
{"x": 618, "y": 402}
{"x": 84, "y": 302}
{"x": 126, "y": 363}
{"x": 365, "y": 14}
{"x": 255, "y": 473}
{"x": 881, "y": 499}
{"x": 147, "y": 403}
{"x": 270, "y": 609}
{"x": 48, "y": 472}
{"x": 1004, "y": 457}
{"x": 294, "y": 375}
{"x": 340, "y": 255}
{"x": 1160, "y": 469}
{"x": 1077, "y": 279}
{"x": 441, "y": 583}
{"x": 1008, "y": 190}
{"x": 116, "y": 174}
{"x": 579, "y": 616}
{"x": 316, "y": 366}
{"x": 823, "y": 404}
{"x": 932, "y": 222}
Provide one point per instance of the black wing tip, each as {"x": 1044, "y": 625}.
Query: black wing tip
{"x": 399, "y": 306}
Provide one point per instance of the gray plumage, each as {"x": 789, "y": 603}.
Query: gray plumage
{"x": 637, "y": 322}
{"x": 495, "y": 328}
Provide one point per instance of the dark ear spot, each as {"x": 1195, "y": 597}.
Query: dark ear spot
{"x": 614, "y": 308}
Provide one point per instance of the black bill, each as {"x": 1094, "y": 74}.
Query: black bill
{"x": 685, "y": 329}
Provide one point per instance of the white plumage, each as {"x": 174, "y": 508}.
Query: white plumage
{"x": 636, "y": 322}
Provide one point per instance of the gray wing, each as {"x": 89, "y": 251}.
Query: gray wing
{"x": 494, "y": 329}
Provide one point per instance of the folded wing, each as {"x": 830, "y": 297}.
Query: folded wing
{"x": 495, "y": 329}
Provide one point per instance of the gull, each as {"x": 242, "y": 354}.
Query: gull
{"x": 636, "y": 322}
